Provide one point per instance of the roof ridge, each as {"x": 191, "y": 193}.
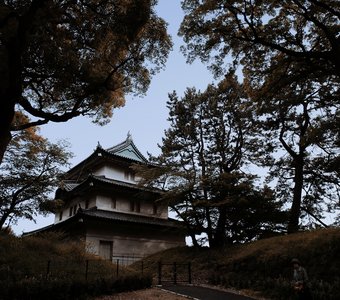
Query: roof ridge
{"x": 124, "y": 145}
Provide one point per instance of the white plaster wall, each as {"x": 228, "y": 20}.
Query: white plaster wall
{"x": 123, "y": 204}
{"x": 76, "y": 201}
{"x": 140, "y": 246}
{"x": 114, "y": 173}
{"x": 66, "y": 210}
{"x": 162, "y": 211}
{"x": 147, "y": 209}
{"x": 104, "y": 202}
{"x": 133, "y": 246}
{"x": 92, "y": 202}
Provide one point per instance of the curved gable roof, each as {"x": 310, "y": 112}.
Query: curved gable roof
{"x": 125, "y": 152}
{"x": 127, "y": 149}
{"x": 71, "y": 185}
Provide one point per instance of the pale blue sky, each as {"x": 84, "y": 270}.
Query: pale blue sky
{"x": 145, "y": 117}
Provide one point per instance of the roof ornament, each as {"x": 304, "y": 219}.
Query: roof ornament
{"x": 99, "y": 145}
{"x": 129, "y": 136}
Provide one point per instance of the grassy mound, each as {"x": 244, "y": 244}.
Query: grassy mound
{"x": 264, "y": 266}
{"x": 52, "y": 267}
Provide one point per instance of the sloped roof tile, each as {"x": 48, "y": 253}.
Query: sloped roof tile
{"x": 131, "y": 218}
{"x": 127, "y": 149}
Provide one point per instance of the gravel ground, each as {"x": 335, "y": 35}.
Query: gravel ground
{"x": 149, "y": 294}
{"x": 159, "y": 294}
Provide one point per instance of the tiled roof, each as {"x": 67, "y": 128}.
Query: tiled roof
{"x": 111, "y": 216}
{"x": 70, "y": 185}
{"x": 125, "y": 152}
{"x": 127, "y": 149}
{"x": 131, "y": 218}
{"x": 114, "y": 181}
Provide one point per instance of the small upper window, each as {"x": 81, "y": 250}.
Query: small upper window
{"x": 155, "y": 209}
{"x": 135, "y": 206}
{"x": 113, "y": 203}
{"x": 128, "y": 175}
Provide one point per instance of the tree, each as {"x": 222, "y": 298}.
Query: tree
{"x": 63, "y": 59}
{"x": 296, "y": 132}
{"x": 258, "y": 34}
{"x": 279, "y": 45}
{"x": 28, "y": 176}
{"x": 203, "y": 153}
{"x": 276, "y": 43}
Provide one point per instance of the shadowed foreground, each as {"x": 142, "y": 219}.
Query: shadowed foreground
{"x": 177, "y": 292}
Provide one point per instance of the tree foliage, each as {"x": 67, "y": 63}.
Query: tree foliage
{"x": 62, "y": 59}
{"x": 203, "y": 153}
{"x": 296, "y": 134}
{"x": 289, "y": 54}
{"x": 264, "y": 34}
{"x": 28, "y": 176}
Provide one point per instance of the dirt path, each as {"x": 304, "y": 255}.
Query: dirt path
{"x": 149, "y": 294}
{"x": 161, "y": 294}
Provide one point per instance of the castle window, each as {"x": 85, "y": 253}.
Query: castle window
{"x": 113, "y": 203}
{"x": 60, "y": 215}
{"x": 73, "y": 210}
{"x": 135, "y": 206}
{"x": 129, "y": 175}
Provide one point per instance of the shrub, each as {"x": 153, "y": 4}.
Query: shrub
{"x": 50, "y": 267}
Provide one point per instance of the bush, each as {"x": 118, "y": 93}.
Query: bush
{"x": 50, "y": 267}
{"x": 265, "y": 265}
{"x": 57, "y": 289}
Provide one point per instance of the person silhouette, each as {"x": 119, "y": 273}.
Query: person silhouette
{"x": 300, "y": 281}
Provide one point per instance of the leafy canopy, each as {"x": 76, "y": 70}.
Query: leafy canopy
{"x": 28, "y": 175}
{"x": 262, "y": 36}
{"x": 201, "y": 167}
{"x": 289, "y": 54}
{"x": 62, "y": 59}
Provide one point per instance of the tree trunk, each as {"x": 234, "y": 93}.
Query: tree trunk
{"x": 194, "y": 241}
{"x": 219, "y": 238}
{"x": 7, "y": 213}
{"x": 209, "y": 226}
{"x": 295, "y": 211}
{"x": 3, "y": 220}
{"x": 6, "y": 118}
{"x": 11, "y": 76}
{"x": 5, "y": 138}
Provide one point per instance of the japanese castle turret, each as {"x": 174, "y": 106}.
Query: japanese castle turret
{"x": 104, "y": 206}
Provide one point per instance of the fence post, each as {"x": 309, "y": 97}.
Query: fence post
{"x": 189, "y": 272}
{"x": 175, "y": 273}
{"x": 117, "y": 270}
{"x": 48, "y": 268}
{"x": 159, "y": 273}
{"x": 86, "y": 268}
